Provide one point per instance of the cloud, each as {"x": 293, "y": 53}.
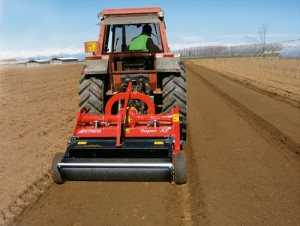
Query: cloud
{"x": 44, "y": 52}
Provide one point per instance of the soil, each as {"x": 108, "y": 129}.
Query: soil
{"x": 243, "y": 157}
{"x": 279, "y": 78}
{"x": 37, "y": 115}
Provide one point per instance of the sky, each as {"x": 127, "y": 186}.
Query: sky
{"x": 50, "y": 27}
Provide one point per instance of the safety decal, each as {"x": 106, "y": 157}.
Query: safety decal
{"x": 176, "y": 118}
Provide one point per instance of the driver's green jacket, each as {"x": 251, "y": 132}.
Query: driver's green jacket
{"x": 139, "y": 43}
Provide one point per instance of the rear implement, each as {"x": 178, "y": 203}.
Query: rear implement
{"x": 126, "y": 146}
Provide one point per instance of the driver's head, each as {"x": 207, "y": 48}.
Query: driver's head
{"x": 147, "y": 29}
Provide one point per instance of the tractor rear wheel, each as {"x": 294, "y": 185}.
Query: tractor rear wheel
{"x": 174, "y": 94}
{"x": 55, "y": 172}
{"x": 180, "y": 168}
{"x": 91, "y": 94}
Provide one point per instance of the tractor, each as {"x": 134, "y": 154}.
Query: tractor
{"x": 132, "y": 120}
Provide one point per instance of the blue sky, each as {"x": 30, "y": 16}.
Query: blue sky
{"x": 30, "y": 27}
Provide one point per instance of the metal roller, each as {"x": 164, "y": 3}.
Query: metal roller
{"x": 116, "y": 174}
{"x": 116, "y": 170}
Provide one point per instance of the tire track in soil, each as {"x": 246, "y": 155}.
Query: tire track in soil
{"x": 26, "y": 199}
{"x": 256, "y": 86}
{"x": 269, "y": 132}
{"x": 198, "y": 210}
{"x": 240, "y": 183}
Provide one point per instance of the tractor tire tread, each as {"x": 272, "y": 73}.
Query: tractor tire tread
{"x": 174, "y": 94}
{"x": 91, "y": 94}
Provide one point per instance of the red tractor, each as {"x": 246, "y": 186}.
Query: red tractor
{"x": 132, "y": 121}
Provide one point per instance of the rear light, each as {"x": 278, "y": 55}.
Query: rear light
{"x": 166, "y": 55}
{"x": 97, "y": 57}
{"x": 93, "y": 57}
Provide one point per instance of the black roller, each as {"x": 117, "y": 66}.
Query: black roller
{"x": 100, "y": 160}
{"x": 116, "y": 174}
{"x": 116, "y": 169}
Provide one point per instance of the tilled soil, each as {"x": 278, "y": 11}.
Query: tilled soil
{"x": 272, "y": 76}
{"x": 243, "y": 157}
{"x": 38, "y": 106}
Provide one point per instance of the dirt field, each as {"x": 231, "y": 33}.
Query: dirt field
{"x": 277, "y": 77}
{"x": 243, "y": 157}
{"x": 37, "y": 115}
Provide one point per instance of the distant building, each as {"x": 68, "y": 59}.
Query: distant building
{"x": 60, "y": 60}
{"x": 37, "y": 62}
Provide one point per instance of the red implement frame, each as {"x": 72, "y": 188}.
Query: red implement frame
{"x": 128, "y": 123}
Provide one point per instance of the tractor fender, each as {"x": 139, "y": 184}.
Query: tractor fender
{"x": 95, "y": 67}
{"x": 168, "y": 65}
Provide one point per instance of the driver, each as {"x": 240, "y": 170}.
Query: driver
{"x": 144, "y": 42}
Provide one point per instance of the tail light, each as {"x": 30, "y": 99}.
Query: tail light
{"x": 167, "y": 55}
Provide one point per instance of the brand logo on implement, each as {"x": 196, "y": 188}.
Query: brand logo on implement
{"x": 164, "y": 130}
{"x": 90, "y": 131}
{"x": 148, "y": 130}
